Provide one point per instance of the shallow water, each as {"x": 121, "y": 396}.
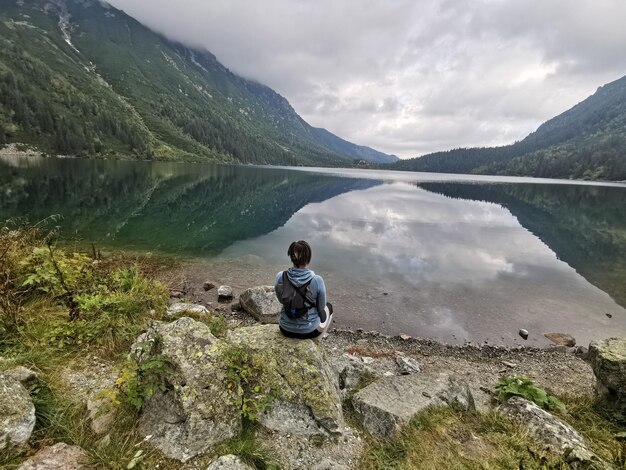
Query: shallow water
{"x": 444, "y": 256}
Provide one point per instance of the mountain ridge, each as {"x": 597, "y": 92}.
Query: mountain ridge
{"x": 587, "y": 141}
{"x": 81, "y": 77}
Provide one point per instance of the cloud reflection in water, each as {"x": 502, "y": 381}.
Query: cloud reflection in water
{"x": 451, "y": 266}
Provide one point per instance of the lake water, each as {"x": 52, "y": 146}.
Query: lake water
{"x": 449, "y": 257}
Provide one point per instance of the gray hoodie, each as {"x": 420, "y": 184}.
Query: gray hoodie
{"x": 317, "y": 292}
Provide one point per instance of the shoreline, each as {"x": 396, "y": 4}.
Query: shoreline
{"x": 11, "y": 150}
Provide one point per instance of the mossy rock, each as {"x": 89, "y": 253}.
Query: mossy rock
{"x": 293, "y": 377}
{"x": 285, "y": 384}
{"x": 197, "y": 411}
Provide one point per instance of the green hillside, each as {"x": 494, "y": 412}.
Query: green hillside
{"x": 586, "y": 142}
{"x": 82, "y": 78}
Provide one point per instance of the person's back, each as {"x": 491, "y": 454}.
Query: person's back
{"x": 305, "y": 288}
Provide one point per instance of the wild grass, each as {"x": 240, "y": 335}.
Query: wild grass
{"x": 443, "y": 438}
{"x": 249, "y": 449}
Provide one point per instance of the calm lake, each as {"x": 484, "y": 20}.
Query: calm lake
{"x": 449, "y": 257}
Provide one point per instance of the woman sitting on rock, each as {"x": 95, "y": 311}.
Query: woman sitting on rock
{"x": 305, "y": 313}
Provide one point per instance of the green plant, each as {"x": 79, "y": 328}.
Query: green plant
{"x": 142, "y": 376}
{"x": 248, "y": 447}
{"x": 244, "y": 372}
{"x": 524, "y": 387}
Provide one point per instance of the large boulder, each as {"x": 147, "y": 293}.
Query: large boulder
{"x": 552, "y": 433}
{"x": 17, "y": 413}
{"x": 58, "y": 457}
{"x": 388, "y": 404}
{"x": 261, "y": 303}
{"x": 285, "y": 384}
{"x": 608, "y": 360}
{"x": 294, "y": 378}
{"x": 197, "y": 410}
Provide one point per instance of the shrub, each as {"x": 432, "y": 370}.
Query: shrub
{"x": 142, "y": 376}
{"x": 524, "y": 387}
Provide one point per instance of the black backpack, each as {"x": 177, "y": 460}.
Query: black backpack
{"x": 295, "y": 299}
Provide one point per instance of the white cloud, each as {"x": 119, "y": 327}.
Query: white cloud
{"x": 410, "y": 77}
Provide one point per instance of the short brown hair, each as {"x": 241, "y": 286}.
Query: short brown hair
{"x": 300, "y": 253}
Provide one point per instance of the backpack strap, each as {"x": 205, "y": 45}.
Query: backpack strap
{"x": 299, "y": 289}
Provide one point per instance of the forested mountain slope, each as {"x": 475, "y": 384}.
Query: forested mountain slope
{"x": 80, "y": 77}
{"x": 588, "y": 141}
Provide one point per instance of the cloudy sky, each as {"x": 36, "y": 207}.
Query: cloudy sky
{"x": 410, "y": 76}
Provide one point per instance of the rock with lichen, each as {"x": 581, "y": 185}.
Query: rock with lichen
{"x": 388, "y": 404}
{"x": 608, "y": 360}
{"x": 211, "y": 384}
{"x": 293, "y": 378}
{"x": 197, "y": 410}
{"x": 58, "y": 457}
{"x": 554, "y": 434}
{"x": 17, "y": 413}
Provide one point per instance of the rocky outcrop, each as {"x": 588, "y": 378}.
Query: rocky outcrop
{"x": 285, "y": 384}
{"x": 608, "y": 359}
{"x": 229, "y": 462}
{"x": 57, "y": 457}
{"x": 181, "y": 307}
{"x": 295, "y": 377}
{"x": 17, "y": 413}
{"x": 261, "y": 303}
{"x": 386, "y": 405}
{"x": 197, "y": 411}
{"x": 554, "y": 434}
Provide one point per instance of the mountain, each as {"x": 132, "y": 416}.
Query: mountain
{"x": 170, "y": 207}
{"x": 79, "y": 77}
{"x": 586, "y": 142}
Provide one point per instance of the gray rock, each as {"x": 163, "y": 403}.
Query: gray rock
{"x": 58, "y": 457}
{"x": 224, "y": 293}
{"x": 261, "y": 303}
{"x": 386, "y": 405}
{"x": 328, "y": 464}
{"x": 229, "y": 462}
{"x": 181, "y": 307}
{"x": 292, "y": 371}
{"x": 208, "y": 285}
{"x": 177, "y": 294}
{"x": 407, "y": 365}
{"x": 291, "y": 418}
{"x": 88, "y": 386}
{"x": 608, "y": 360}
{"x": 23, "y": 375}
{"x": 561, "y": 339}
{"x": 102, "y": 414}
{"x": 554, "y": 434}
{"x": 350, "y": 370}
{"x": 17, "y": 413}
{"x": 197, "y": 411}
{"x": 200, "y": 409}
{"x": 523, "y": 333}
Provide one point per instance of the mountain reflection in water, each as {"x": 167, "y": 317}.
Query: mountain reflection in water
{"x": 452, "y": 261}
